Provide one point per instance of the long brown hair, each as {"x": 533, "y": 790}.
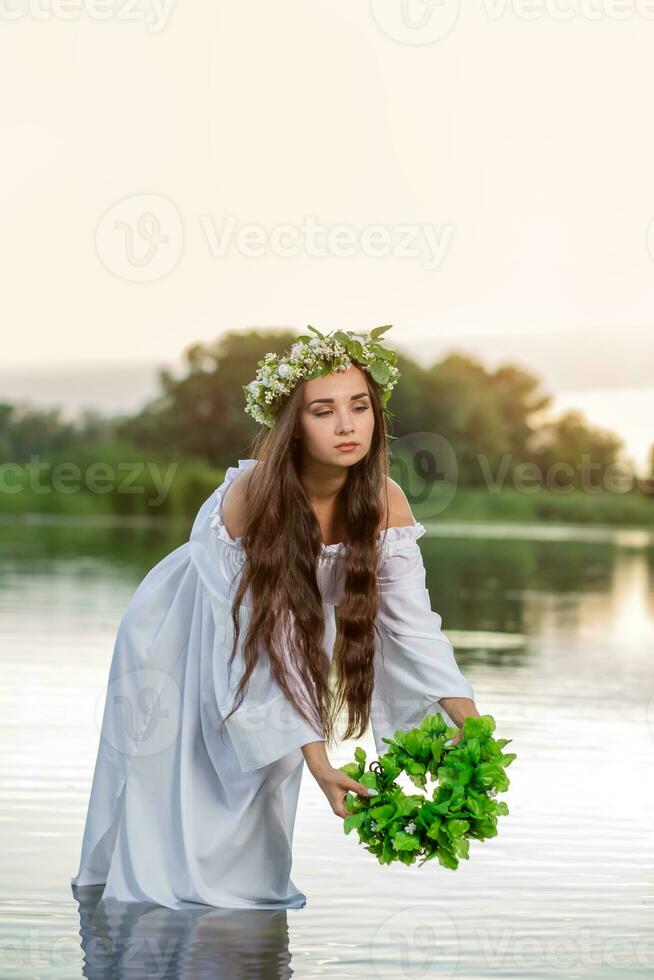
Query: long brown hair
{"x": 282, "y": 540}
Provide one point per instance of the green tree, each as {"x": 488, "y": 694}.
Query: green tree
{"x": 484, "y": 415}
{"x": 25, "y": 430}
{"x": 564, "y": 446}
{"x": 202, "y": 413}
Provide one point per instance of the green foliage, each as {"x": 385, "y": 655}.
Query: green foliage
{"x": 478, "y": 504}
{"x": 27, "y": 431}
{"x": 115, "y": 478}
{"x": 493, "y": 419}
{"x": 398, "y": 826}
{"x": 201, "y": 412}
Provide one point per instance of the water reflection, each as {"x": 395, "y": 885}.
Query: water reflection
{"x": 130, "y": 940}
{"x": 556, "y": 633}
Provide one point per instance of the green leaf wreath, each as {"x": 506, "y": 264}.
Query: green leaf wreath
{"x": 396, "y": 826}
{"x": 313, "y": 356}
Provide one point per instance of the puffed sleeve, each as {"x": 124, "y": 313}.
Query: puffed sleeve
{"x": 415, "y": 664}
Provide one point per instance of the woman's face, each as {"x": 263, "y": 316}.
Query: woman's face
{"x": 336, "y": 409}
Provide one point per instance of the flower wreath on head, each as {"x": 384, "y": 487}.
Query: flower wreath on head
{"x": 399, "y": 826}
{"x": 311, "y": 357}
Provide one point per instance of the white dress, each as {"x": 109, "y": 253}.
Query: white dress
{"x": 179, "y": 815}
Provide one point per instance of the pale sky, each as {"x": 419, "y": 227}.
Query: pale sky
{"x": 472, "y": 172}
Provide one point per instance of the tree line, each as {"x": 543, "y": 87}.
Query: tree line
{"x": 486, "y": 415}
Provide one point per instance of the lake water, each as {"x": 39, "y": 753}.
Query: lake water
{"x": 554, "y": 629}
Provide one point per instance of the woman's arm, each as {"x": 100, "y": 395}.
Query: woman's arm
{"x": 418, "y": 671}
{"x": 316, "y": 758}
{"x": 459, "y": 709}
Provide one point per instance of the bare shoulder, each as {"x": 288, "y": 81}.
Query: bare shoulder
{"x": 234, "y": 504}
{"x": 399, "y": 510}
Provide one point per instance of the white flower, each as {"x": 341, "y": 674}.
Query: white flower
{"x": 315, "y": 342}
{"x": 410, "y": 827}
{"x": 283, "y": 370}
{"x": 373, "y": 825}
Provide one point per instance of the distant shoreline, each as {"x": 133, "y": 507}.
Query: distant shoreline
{"x": 628, "y": 535}
{"x": 467, "y": 507}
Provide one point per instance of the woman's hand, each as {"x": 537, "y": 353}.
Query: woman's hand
{"x": 335, "y": 785}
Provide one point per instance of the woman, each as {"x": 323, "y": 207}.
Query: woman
{"x": 231, "y": 667}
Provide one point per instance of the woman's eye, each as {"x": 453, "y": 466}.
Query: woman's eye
{"x": 361, "y": 408}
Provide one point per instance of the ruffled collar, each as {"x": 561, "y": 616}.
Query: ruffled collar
{"x": 391, "y": 538}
